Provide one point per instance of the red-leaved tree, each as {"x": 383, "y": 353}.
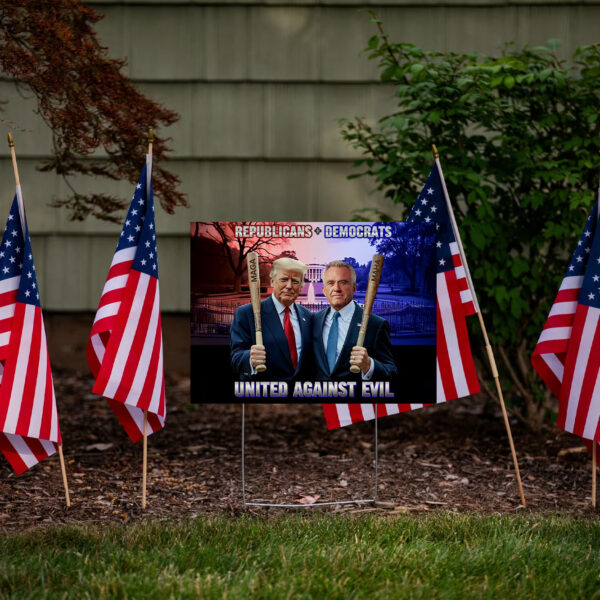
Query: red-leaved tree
{"x": 51, "y": 49}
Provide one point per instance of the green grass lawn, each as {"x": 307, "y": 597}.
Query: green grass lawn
{"x": 309, "y": 556}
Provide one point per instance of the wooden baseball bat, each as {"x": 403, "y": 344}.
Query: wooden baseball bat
{"x": 254, "y": 284}
{"x": 372, "y": 285}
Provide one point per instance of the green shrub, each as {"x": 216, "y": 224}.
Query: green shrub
{"x": 518, "y": 136}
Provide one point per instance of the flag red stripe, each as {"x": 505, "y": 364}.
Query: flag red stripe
{"x": 571, "y": 358}
{"x": 587, "y": 387}
{"x": 116, "y": 335}
{"x": 139, "y": 337}
{"x": 146, "y": 393}
{"x": 31, "y": 377}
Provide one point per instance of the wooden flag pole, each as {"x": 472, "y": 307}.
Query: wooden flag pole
{"x": 488, "y": 347}
{"x": 594, "y": 472}
{"x": 11, "y": 145}
{"x": 145, "y": 450}
{"x": 145, "y": 459}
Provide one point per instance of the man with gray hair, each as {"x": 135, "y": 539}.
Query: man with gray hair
{"x": 335, "y": 332}
{"x": 287, "y": 344}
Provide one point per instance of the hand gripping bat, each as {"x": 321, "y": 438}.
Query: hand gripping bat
{"x": 373, "y": 284}
{"x": 254, "y": 284}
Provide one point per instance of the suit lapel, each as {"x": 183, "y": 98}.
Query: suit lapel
{"x": 319, "y": 325}
{"x": 305, "y": 332}
{"x": 351, "y": 337}
{"x": 272, "y": 322}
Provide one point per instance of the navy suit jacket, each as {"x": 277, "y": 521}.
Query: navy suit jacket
{"x": 377, "y": 342}
{"x": 279, "y": 362}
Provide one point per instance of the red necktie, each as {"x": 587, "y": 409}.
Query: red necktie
{"x": 291, "y": 338}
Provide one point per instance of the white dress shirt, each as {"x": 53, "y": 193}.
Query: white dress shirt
{"x": 280, "y": 308}
{"x": 344, "y": 321}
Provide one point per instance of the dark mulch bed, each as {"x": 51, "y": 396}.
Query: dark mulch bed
{"x": 451, "y": 457}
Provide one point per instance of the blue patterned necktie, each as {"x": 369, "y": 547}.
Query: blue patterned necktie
{"x": 332, "y": 340}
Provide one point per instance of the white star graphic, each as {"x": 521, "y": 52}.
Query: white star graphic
{"x": 587, "y": 250}
{"x": 579, "y": 258}
{"x": 138, "y": 186}
{"x": 33, "y": 285}
{"x": 12, "y": 259}
{"x": 27, "y": 293}
{"x": 151, "y": 225}
{"x": 134, "y": 212}
{"x": 137, "y": 227}
{"x": 7, "y": 243}
{"x": 151, "y": 255}
{"x": 127, "y": 222}
{"x": 154, "y": 266}
{"x": 130, "y": 238}
{"x": 13, "y": 232}
{"x": 587, "y": 234}
{"x": 424, "y": 202}
{"x": 10, "y": 217}
{"x": 29, "y": 275}
{"x": 430, "y": 191}
{"x": 438, "y": 244}
{"x": 5, "y": 270}
{"x": 140, "y": 202}
{"x": 571, "y": 268}
{"x": 147, "y": 244}
{"x": 596, "y": 278}
{"x": 442, "y": 261}
{"x": 598, "y": 260}
{"x": 143, "y": 261}
{"x": 591, "y": 296}
{"x": 418, "y": 213}
{"x": 434, "y": 208}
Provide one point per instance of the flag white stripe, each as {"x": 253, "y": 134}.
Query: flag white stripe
{"x": 7, "y": 311}
{"x": 9, "y": 285}
{"x": 466, "y": 296}
{"x": 343, "y": 412}
{"x": 54, "y": 418}
{"x": 571, "y": 283}
{"x": 98, "y": 347}
{"x": 115, "y": 283}
{"x": 49, "y": 447}
{"x": 563, "y": 308}
{"x": 4, "y": 338}
{"x": 16, "y": 392}
{"x": 158, "y": 379}
{"x": 40, "y": 391}
{"x": 124, "y": 349}
{"x": 392, "y": 409}
{"x": 143, "y": 365}
{"x": 555, "y": 333}
{"x": 458, "y": 373}
{"x": 123, "y": 255}
{"x": 22, "y": 449}
{"x": 368, "y": 411}
{"x": 593, "y": 416}
{"x": 583, "y": 353}
{"x": 554, "y": 365}
{"x": 439, "y": 388}
{"x": 454, "y": 248}
{"x": 460, "y": 272}
{"x": 108, "y": 310}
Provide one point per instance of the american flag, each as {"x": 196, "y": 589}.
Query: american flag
{"x": 125, "y": 350}
{"x": 567, "y": 354}
{"x": 29, "y": 429}
{"x": 455, "y": 369}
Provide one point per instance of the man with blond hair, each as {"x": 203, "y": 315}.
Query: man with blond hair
{"x": 286, "y": 329}
{"x": 335, "y": 332}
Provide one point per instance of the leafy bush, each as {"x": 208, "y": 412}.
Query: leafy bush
{"x": 518, "y": 136}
